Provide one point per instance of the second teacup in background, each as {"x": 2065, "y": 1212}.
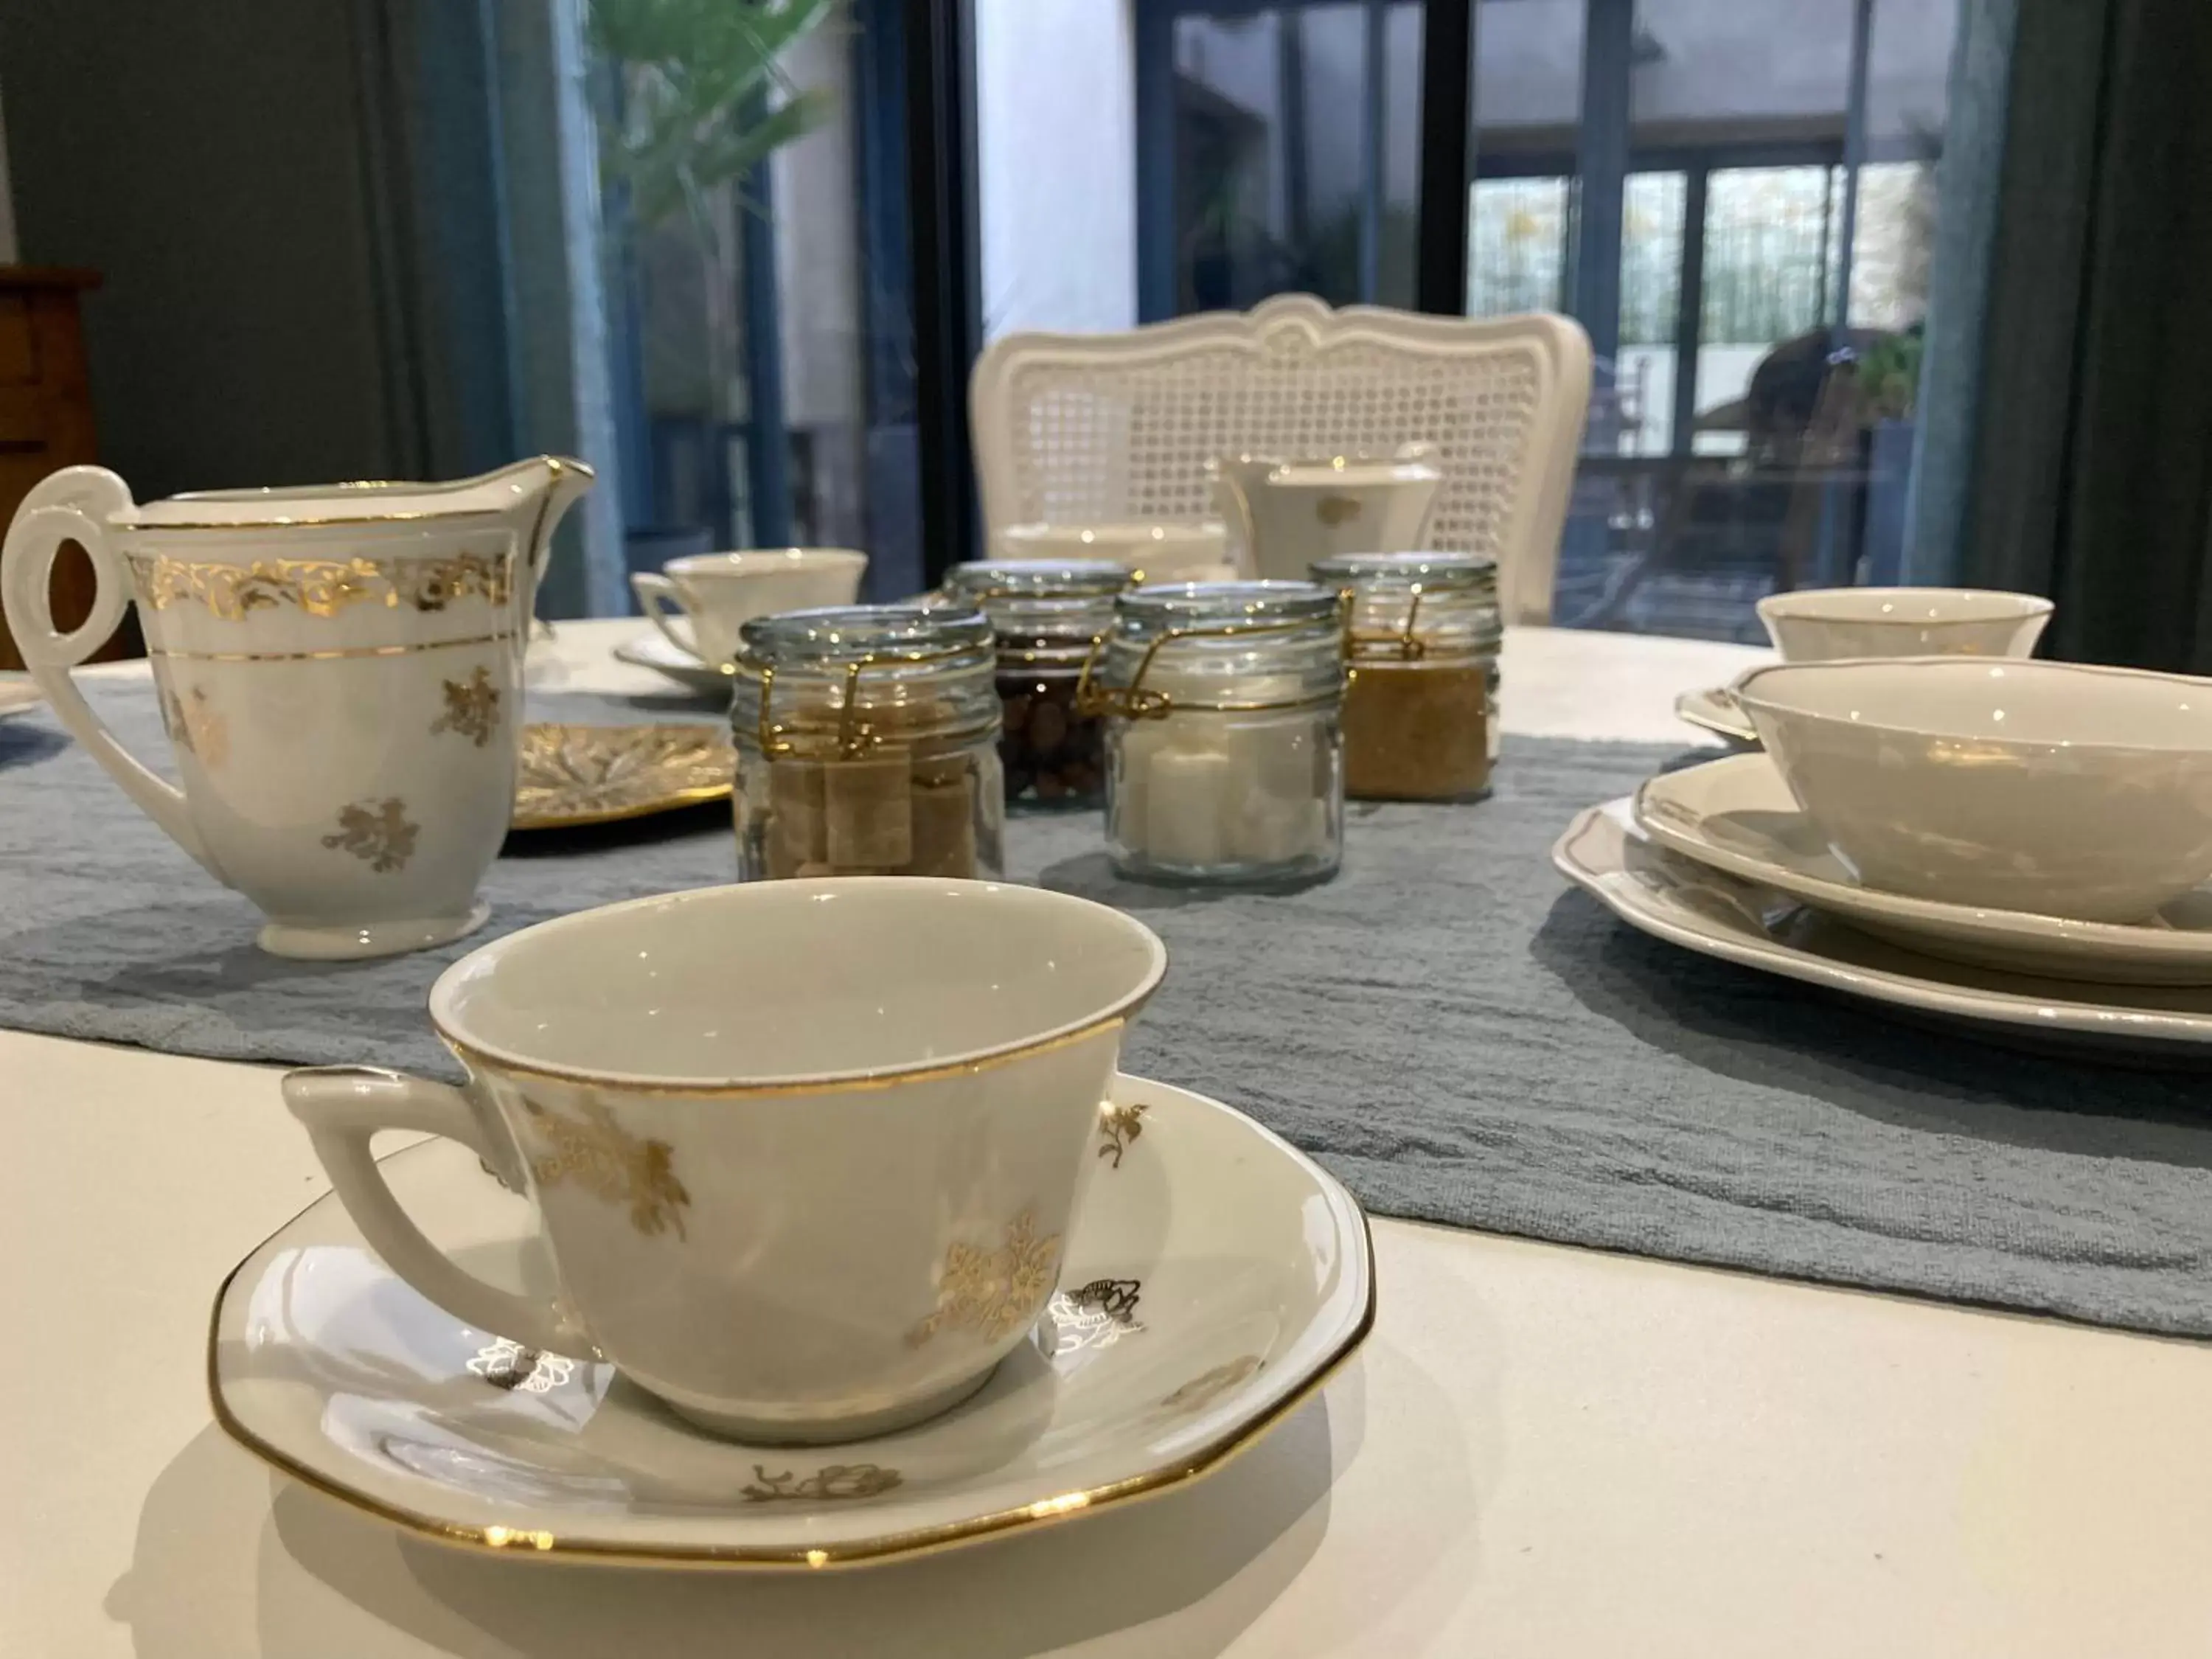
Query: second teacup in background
{"x": 718, "y": 593}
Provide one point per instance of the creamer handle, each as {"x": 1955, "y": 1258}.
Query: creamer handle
{"x": 26, "y": 572}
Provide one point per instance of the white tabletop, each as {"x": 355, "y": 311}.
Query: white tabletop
{"x": 1541, "y": 1451}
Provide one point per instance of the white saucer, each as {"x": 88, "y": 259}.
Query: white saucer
{"x": 1716, "y": 914}
{"x": 657, "y": 652}
{"x": 1215, "y": 1276}
{"x": 1739, "y": 815}
{"x": 1716, "y": 709}
{"x": 17, "y": 693}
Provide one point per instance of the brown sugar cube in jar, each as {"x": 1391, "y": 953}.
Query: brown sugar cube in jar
{"x": 868, "y": 812}
{"x": 796, "y": 835}
{"x": 944, "y": 805}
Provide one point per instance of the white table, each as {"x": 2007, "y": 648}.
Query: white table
{"x": 1541, "y": 1451}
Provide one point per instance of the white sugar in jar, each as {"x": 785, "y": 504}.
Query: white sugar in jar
{"x": 1225, "y": 761}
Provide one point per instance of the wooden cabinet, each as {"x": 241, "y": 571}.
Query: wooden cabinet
{"x": 46, "y": 420}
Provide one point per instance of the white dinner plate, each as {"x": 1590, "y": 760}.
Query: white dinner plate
{"x": 17, "y": 693}
{"x": 1715, "y": 709}
{"x": 1717, "y": 915}
{"x": 657, "y": 652}
{"x": 1739, "y": 815}
{"x": 1212, "y": 1278}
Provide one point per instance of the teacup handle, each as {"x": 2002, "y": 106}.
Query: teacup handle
{"x": 659, "y": 597}
{"x": 341, "y": 1107}
{"x": 26, "y": 565}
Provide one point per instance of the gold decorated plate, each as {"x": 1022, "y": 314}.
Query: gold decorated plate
{"x": 572, "y": 776}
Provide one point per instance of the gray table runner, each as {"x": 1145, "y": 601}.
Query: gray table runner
{"x": 1461, "y": 1038}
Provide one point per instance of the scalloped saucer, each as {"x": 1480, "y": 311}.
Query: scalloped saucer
{"x": 1215, "y": 1277}
{"x": 1715, "y": 709}
{"x": 663, "y": 656}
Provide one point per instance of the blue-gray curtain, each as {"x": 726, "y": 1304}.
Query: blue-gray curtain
{"x": 2089, "y": 474}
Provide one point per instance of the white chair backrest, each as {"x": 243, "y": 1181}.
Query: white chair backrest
{"x": 1085, "y": 428}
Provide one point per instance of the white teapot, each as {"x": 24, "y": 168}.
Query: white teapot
{"x": 339, "y": 670}
{"x": 1292, "y": 512}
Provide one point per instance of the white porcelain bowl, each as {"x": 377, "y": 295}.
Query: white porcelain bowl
{"x": 2021, "y": 786}
{"x": 1821, "y": 624}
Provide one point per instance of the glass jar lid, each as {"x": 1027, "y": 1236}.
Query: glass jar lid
{"x": 981, "y": 580}
{"x": 1433, "y": 573}
{"x": 1038, "y": 602}
{"x": 1221, "y": 646}
{"x": 863, "y": 673}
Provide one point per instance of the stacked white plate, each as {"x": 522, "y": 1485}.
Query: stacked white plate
{"x": 2104, "y": 782}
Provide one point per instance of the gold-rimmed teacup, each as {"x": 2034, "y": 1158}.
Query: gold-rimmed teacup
{"x": 804, "y": 1152}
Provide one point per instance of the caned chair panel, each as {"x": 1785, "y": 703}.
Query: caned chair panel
{"x": 1083, "y": 428}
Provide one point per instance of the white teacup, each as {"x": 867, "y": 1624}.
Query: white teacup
{"x": 718, "y": 593}
{"x": 2043, "y": 787}
{"x": 1822, "y": 625}
{"x": 1189, "y": 551}
{"x": 804, "y": 1153}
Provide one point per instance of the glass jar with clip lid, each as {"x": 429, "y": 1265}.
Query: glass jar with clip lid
{"x": 1047, "y": 614}
{"x": 867, "y": 744}
{"x": 1223, "y": 756}
{"x": 1422, "y": 633}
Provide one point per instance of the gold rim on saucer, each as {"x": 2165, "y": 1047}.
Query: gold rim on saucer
{"x": 574, "y": 775}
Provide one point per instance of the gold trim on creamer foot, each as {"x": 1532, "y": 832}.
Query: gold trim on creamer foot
{"x": 610, "y": 1163}
{"x": 377, "y": 831}
{"x": 472, "y": 707}
{"x": 319, "y": 587}
{"x": 993, "y": 1289}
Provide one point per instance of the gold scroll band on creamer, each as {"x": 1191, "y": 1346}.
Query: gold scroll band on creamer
{"x": 319, "y": 587}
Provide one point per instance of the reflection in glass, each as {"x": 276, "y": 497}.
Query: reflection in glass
{"x": 1295, "y": 154}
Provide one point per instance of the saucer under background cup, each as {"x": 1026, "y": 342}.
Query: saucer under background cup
{"x": 1214, "y": 1276}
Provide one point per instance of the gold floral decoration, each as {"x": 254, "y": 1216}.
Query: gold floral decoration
{"x": 472, "y": 707}
{"x": 1122, "y": 1123}
{"x": 1114, "y": 1298}
{"x": 609, "y": 1162}
{"x": 1335, "y": 510}
{"x": 506, "y": 1364}
{"x": 377, "y": 831}
{"x": 994, "y": 1290}
{"x": 321, "y": 587}
{"x": 580, "y": 775}
{"x": 196, "y": 728}
{"x": 1207, "y": 1386}
{"x": 1097, "y": 1316}
{"x": 838, "y": 1480}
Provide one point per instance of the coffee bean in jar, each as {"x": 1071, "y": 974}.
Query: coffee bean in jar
{"x": 1046, "y": 616}
{"x": 1422, "y": 633}
{"x": 867, "y": 744}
